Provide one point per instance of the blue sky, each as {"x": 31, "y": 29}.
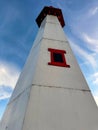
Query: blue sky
{"x": 18, "y": 30}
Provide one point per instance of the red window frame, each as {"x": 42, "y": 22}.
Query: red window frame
{"x": 61, "y": 52}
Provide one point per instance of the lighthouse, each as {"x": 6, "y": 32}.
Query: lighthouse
{"x": 51, "y": 93}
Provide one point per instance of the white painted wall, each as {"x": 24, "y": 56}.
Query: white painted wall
{"x": 53, "y": 108}
{"x": 50, "y": 97}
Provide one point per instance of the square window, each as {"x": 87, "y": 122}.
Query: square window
{"x": 57, "y": 58}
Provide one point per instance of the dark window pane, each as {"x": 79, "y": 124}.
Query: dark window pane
{"x": 58, "y": 57}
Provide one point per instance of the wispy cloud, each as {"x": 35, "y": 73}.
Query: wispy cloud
{"x": 93, "y": 10}
{"x": 95, "y": 78}
{"x": 89, "y": 39}
{"x": 8, "y": 76}
{"x": 92, "y": 42}
{"x": 88, "y": 58}
{"x": 84, "y": 25}
{"x": 4, "y": 92}
{"x": 90, "y": 61}
{"x": 8, "y": 15}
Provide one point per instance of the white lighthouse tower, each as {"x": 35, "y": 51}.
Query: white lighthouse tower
{"x": 51, "y": 93}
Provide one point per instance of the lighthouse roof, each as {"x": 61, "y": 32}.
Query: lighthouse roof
{"x": 50, "y": 11}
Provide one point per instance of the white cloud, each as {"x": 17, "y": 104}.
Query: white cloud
{"x": 91, "y": 61}
{"x": 8, "y": 74}
{"x": 8, "y": 77}
{"x": 96, "y": 81}
{"x": 93, "y": 43}
{"x": 89, "y": 39}
{"x": 85, "y": 27}
{"x": 95, "y": 78}
{"x": 84, "y": 55}
{"x": 93, "y": 11}
{"x": 4, "y": 93}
